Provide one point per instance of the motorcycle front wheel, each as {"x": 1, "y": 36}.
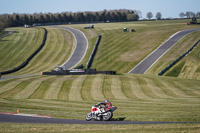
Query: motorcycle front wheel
{"x": 88, "y": 117}
{"x": 107, "y": 116}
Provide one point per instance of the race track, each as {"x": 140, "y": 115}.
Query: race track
{"x": 8, "y": 118}
{"x": 79, "y": 51}
{"x": 145, "y": 64}
{"x": 9, "y": 32}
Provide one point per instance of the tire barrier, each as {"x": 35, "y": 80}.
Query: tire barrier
{"x": 93, "y": 52}
{"x": 29, "y": 58}
{"x": 178, "y": 59}
{"x": 78, "y": 72}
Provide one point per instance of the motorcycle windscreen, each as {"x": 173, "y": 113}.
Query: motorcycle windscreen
{"x": 113, "y": 109}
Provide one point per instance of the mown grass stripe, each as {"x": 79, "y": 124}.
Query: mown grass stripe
{"x": 107, "y": 87}
{"x": 75, "y": 91}
{"x": 86, "y": 88}
{"x": 126, "y": 87}
{"x": 66, "y": 86}
{"x": 144, "y": 86}
{"x": 41, "y": 90}
{"x": 137, "y": 89}
{"x": 42, "y": 57}
{"x": 10, "y": 84}
{"x": 163, "y": 90}
{"x": 54, "y": 89}
{"x": 173, "y": 90}
{"x": 8, "y": 87}
{"x": 96, "y": 88}
{"x": 56, "y": 51}
{"x": 30, "y": 88}
{"x": 49, "y": 53}
{"x": 185, "y": 89}
{"x": 6, "y": 48}
{"x": 155, "y": 89}
{"x": 191, "y": 91}
{"x": 116, "y": 88}
{"x": 13, "y": 91}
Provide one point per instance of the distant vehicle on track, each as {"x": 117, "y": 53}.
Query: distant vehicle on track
{"x": 89, "y": 27}
{"x": 194, "y": 21}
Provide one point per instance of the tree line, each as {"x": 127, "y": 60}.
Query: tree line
{"x": 122, "y": 15}
{"x": 189, "y": 14}
{"x": 3, "y": 23}
{"x": 158, "y": 15}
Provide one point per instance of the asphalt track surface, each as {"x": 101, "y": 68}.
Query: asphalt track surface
{"x": 9, "y": 32}
{"x": 8, "y": 118}
{"x": 19, "y": 76}
{"x": 79, "y": 51}
{"x": 145, "y": 64}
{"x": 76, "y": 57}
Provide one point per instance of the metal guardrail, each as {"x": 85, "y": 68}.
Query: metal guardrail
{"x": 178, "y": 59}
{"x": 29, "y": 58}
{"x": 93, "y": 52}
{"x": 78, "y": 72}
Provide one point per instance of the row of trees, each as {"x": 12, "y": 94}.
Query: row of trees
{"x": 3, "y": 23}
{"x": 158, "y": 15}
{"x": 68, "y": 17}
{"x": 189, "y": 14}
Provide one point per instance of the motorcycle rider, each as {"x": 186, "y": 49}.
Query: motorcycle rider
{"x": 101, "y": 111}
{"x": 106, "y": 104}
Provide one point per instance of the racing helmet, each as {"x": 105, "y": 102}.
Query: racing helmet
{"x": 108, "y": 103}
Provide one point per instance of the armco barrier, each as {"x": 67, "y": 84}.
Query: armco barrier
{"x": 78, "y": 72}
{"x": 93, "y": 52}
{"x": 29, "y": 58}
{"x": 178, "y": 59}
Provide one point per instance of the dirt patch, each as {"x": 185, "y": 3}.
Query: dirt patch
{"x": 90, "y": 33}
{"x": 135, "y": 55}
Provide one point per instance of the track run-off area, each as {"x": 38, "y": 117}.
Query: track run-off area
{"x": 145, "y": 64}
{"x": 23, "y": 118}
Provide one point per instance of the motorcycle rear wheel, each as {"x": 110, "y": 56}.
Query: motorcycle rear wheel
{"x": 108, "y": 116}
{"x": 88, "y": 117}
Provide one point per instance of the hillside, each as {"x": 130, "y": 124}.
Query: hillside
{"x": 145, "y": 97}
{"x": 188, "y": 67}
{"x": 138, "y": 97}
{"x": 16, "y": 47}
{"x": 57, "y": 49}
{"x": 121, "y": 51}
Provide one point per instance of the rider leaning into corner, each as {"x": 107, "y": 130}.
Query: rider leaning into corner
{"x": 106, "y": 104}
{"x": 101, "y": 111}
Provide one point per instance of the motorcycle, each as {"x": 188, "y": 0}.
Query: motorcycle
{"x": 100, "y": 113}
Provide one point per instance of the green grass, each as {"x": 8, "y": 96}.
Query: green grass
{"x": 58, "y": 47}
{"x": 141, "y": 98}
{"x": 138, "y": 97}
{"x": 188, "y": 66}
{"x": 176, "y": 70}
{"x": 16, "y": 48}
{"x": 121, "y": 51}
{"x": 3, "y": 33}
{"x": 60, "y": 128}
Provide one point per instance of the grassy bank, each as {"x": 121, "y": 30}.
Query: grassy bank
{"x": 121, "y": 51}
{"x": 138, "y": 97}
{"x": 188, "y": 66}
{"x": 58, "y": 47}
{"x": 142, "y": 98}
{"x": 16, "y": 48}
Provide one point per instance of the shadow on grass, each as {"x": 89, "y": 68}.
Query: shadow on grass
{"x": 3, "y": 40}
{"x": 118, "y": 119}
